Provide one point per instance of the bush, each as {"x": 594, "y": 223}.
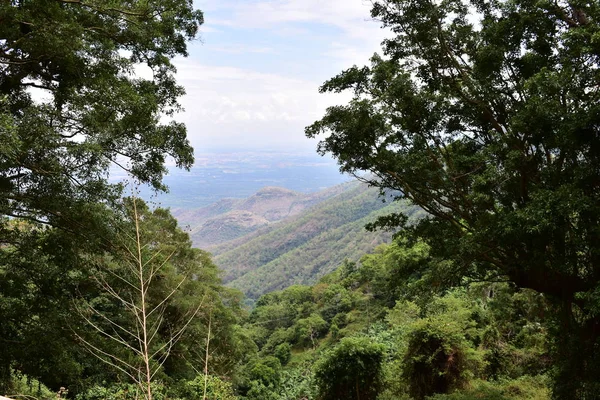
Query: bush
{"x": 22, "y": 386}
{"x": 309, "y": 330}
{"x": 352, "y": 370}
{"x": 267, "y": 371}
{"x": 216, "y": 389}
{"x": 123, "y": 391}
{"x": 440, "y": 354}
{"x": 283, "y": 352}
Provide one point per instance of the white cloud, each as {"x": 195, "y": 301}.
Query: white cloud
{"x": 230, "y": 103}
{"x": 209, "y": 29}
{"x": 348, "y": 15}
{"x": 359, "y": 33}
{"x": 241, "y": 48}
{"x": 234, "y": 106}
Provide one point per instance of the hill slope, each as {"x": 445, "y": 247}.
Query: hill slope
{"x": 305, "y": 263}
{"x": 301, "y": 249}
{"x": 229, "y": 219}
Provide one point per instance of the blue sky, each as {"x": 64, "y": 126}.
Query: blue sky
{"x": 252, "y": 78}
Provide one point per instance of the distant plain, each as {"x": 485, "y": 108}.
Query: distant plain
{"x": 219, "y": 175}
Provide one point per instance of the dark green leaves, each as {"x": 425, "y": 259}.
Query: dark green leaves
{"x": 80, "y": 58}
{"x": 485, "y": 114}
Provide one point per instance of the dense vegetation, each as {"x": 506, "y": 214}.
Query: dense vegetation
{"x": 307, "y": 260}
{"x": 387, "y": 329}
{"x": 390, "y": 330}
{"x": 301, "y": 249}
{"x": 484, "y": 114}
{"x": 61, "y": 317}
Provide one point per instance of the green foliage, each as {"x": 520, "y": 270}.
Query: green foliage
{"x": 44, "y": 298}
{"x": 281, "y": 309}
{"x": 297, "y": 383}
{"x": 183, "y": 295}
{"x": 440, "y": 339}
{"x": 267, "y": 371}
{"x": 39, "y": 278}
{"x": 335, "y": 300}
{"x": 277, "y": 338}
{"x": 260, "y": 378}
{"x": 352, "y": 370}
{"x": 216, "y": 389}
{"x": 95, "y": 111}
{"x": 283, "y": 352}
{"x": 122, "y": 391}
{"x": 482, "y": 113}
{"x": 515, "y": 336}
{"x": 23, "y": 386}
{"x": 258, "y": 391}
{"x": 525, "y": 387}
{"x": 441, "y": 354}
{"x": 404, "y": 270}
{"x": 56, "y": 153}
{"x": 309, "y": 330}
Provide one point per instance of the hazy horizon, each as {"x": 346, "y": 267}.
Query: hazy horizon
{"x": 239, "y": 174}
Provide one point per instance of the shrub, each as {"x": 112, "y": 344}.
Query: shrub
{"x": 352, "y": 370}
{"x": 216, "y": 389}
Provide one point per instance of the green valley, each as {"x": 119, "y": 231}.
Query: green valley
{"x": 461, "y": 263}
{"x": 277, "y": 237}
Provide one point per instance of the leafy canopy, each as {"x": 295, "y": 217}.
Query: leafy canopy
{"x": 71, "y": 104}
{"x": 352, "y": 370}
{"x": 487, "y": 115}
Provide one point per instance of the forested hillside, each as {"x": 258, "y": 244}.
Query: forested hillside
{"x": 479, "y": 121}
{"x": 229, "y": 219}
{"x": 278, "y": 237}
{"x": 303, "y": 248}
{"x": 382, "y": 331}
{"x": 286, "y": 259}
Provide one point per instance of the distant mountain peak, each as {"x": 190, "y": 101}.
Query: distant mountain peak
{"x": 228, "y": 219}
{"x": 276, "y": 191}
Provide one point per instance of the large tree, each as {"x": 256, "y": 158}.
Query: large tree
{"x": 155, "y": 304}
{"x": 62, "y": 297}
{"x": 487, "y": 115}
{"x": 72, "y": 105}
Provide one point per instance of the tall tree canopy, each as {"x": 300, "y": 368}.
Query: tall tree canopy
{"x": 71, "y": 103}
{"x": 487, "y": 115}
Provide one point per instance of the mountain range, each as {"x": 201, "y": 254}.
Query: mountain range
{"x": 278, "y": 237}
{"x": 230, "y": 218}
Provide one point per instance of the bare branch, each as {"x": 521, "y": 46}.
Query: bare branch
{"x": 206, "y": 355}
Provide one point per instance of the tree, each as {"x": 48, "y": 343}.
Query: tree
{"x": 154, "y": 289}
{"x": 440, "y": 355}
{"x": 53, "y": 274}
{"x": 309, "y": 330}
{"x": 70, "y": 107}
{"x": 71, "y": 104}
{"x": 139, "y": 344}
{"x": 213, "y": 387}
{"x": 36, "y": 291}
{"x": 487, "y": 115}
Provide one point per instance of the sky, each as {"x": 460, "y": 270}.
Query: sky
{"x": 252, "y": 76}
